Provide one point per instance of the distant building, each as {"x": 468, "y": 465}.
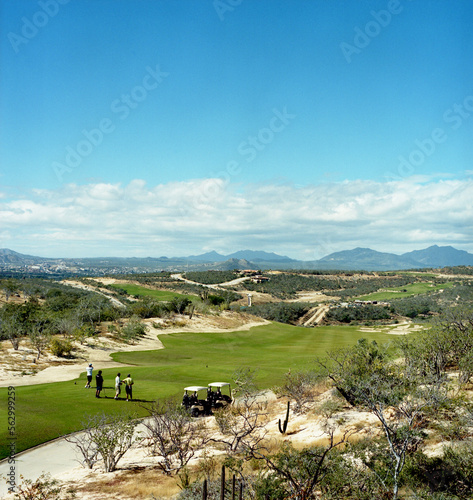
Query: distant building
{"x": 259, "y": 279}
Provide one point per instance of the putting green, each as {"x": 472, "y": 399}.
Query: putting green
{"x": 160, "y": 295}
{"x": 406, "y": 291}
{"x": 44, "y": 412}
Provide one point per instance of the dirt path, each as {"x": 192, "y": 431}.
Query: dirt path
{"x": 318, "y": 314}
{"x": 219, "y": 286}
{"x": 78, "y": 284}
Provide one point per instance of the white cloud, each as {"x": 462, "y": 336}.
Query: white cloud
{"x": 182, "y": 218}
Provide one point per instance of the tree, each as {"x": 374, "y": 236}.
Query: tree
{"x": 175, "y": 436}
{"x": 106, "y": 436}
{"x": 299, "y": 386}
{"x": 65, "y": 325}
{"x": 242, "y": 423}
{"x": 17, "y": 320}
{"x": 179, "y": 304}
{"x": 244, "y": 382}
{"x": 395, "y": 393}
{"x": 449, "y": 344}
{"x": 39, "y": 336}
{"x": 298, "y": 472}
{"x": 90, "y": 309}
{"x": 9, "y": 325}
{"x": 9, "y": 287}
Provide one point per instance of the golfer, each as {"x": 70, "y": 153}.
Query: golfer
{"x": 118, "y": 384}
{"x": 98, "y": 383}
{"x": 89, "y": 371}
{"x": 128, "y": 381}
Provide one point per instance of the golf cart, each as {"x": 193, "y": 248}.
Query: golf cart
{"x": 215, "y": 396}
{"x": 195, "y": 400}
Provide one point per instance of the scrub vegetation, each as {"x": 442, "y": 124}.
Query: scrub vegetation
{"x": 416, "y": 387}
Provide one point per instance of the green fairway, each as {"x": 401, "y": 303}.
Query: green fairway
{"x": 406, "y": 291}
{"x": 141, "y": 291}
{"x": 44, "y": 412}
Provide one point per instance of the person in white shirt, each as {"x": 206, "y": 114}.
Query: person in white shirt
{"x": 118, "y": 383}
{"x": 89, "y": 371}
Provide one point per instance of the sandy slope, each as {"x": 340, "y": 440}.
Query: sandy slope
{"x": 15, "y": 365}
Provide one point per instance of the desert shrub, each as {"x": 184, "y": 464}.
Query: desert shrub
{"x": 178, "y": 304}
{"x": 330, "y": 407}
{"x": 299, "y": 386}
{"x": 349, "y": 478}
{"x": 412, "y": 307}
{"x": 43, "y": 487}
{"x": 216, "y": 300}
{"x": 283, "y": 312}
{"x": 147, "y": 307}
{"x": 133, "y": 330}
{"x": 81, "y": 333}
{"x": 61, "y": 348}
{"x": 361, "y": 313}
{"x": 107, "y": 437}
{"x": 451, "y": 474}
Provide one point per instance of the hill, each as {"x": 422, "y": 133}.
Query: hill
{"x": 367, "y": 259}
{"x": 355, "y": 259}
{"x": 436, "y": 256}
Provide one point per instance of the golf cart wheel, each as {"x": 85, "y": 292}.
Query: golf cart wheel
{"x": 195, "y": 412}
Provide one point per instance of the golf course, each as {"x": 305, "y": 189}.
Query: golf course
{"x": 47, "y": 411}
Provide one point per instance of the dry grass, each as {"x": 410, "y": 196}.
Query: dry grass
{"x": 136, "y": 483}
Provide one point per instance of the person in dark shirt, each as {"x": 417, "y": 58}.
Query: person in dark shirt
{"x": 98, "y": 383}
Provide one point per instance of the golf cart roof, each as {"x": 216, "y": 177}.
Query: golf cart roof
{"x": 195, "y": 388}
{"x": 219, "y": 384}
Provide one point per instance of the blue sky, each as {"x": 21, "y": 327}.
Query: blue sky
{"x": 159, "y": 127}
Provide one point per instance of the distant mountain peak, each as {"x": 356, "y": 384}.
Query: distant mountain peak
{"x": 435, "y": 256}
{"x": 212, "y": 256}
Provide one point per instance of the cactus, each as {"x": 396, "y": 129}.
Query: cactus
{"x": 284, "y": 426}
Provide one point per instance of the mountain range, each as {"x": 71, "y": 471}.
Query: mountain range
{"x": 355, "y": 259}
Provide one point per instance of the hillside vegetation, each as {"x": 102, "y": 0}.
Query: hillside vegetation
{"x": 416, "y": 387}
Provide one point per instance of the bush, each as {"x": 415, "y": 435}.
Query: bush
{"x": 283, "y": 312}
{"x": 216, "y": 300}
{"x": 331, "y": 406}
{"x": 61, "y": 348}
{"x": 178, "y": 304}
{"x": 414, "y": 306}
{"x": 148, "y": 307}
{"x": 299, "y": 386}
{"x": 133, "y": 330}
{"x": 360, "y": 313}
{"x": 451, "y": 474}
{"x": 43, "y": 487}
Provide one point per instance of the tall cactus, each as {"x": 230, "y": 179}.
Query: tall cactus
{"x": 283, "y": 429}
